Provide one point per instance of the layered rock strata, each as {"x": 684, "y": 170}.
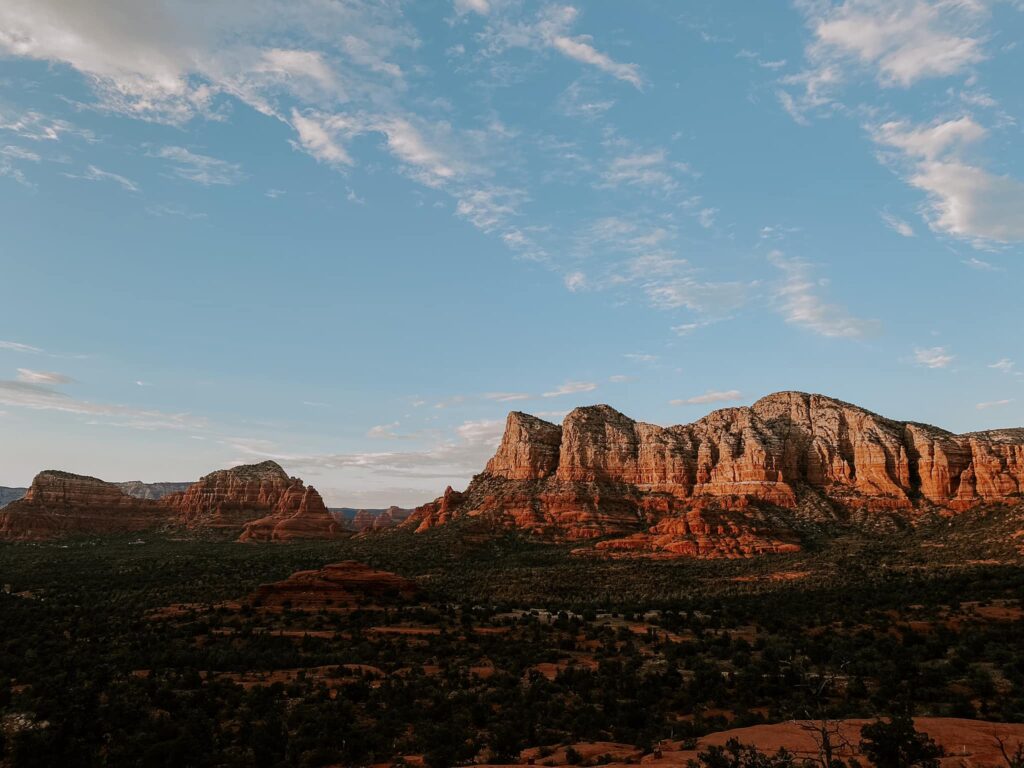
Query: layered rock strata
{"x": 703, "y": 488}
{"x": 260, "y": 500}
{"x": 64, "y": 504}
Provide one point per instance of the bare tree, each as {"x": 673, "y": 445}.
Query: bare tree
{"x": 827, "y": 732}
{"x": 1014, "y": 759}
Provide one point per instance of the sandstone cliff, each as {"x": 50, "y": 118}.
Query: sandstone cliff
{"x": 63, "y": 504}
{"x": 259, "y": 500}
{"x": 708, "y": 488}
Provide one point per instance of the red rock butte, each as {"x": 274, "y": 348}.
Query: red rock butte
{"x": 260, "y": 501}
{"x": 710, "y": 488}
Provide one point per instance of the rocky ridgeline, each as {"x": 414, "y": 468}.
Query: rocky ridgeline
{"x": 709, "y": 488}
{"x": 259, "y": 501}
{"x": 62, "y": 504}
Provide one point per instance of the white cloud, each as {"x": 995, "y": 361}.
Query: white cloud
{"x": 92, "y": 173}
{"x": 506, "y": 397}
{"x": 981, "y": 265}
{"x": 904, "y": 40}
{"x": 42, "y": 377}
{"x": 38, "y": 396}
{"x": 14, "y": 346}
{"x": 993, "y": 404}
{"x": 575, "y": 281}
{"x": 1004, "y": 365}
{"x": 9, "y": 156}
{"x": 581, "y": 49}
{"x": 964, "y": 200}
{"x": 706, "y": 217}
{"x": 579, "y": 100}
{"x": 726, "y": 396}
{"x": 696, "y": 295}
{"x": 37, "y": 127}
{"x": 641, "y": 169}
{"x": 171, "y": 61}
{"x": 933, "y": 357}
{"x": 201, "y": 169}
{"x": 552, "y": 29}
{"x": 620, "y": 378}
{"x": 316, "y": 136}
{"x": 323, "y": 136}
{"x": 572, "y": 388}
{"x": 641, "y": 357}
{"x": 930, "y": 141}
{"x": 897, "y": 225}
{"x": 461, "y": 456}
{"x": 972, "y": 203}
{"x": 483, "y": 7}
{"x": 384, "y": 431}
{"x": 799, "y": 303}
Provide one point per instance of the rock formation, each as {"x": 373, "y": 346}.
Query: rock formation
{"x": 377, "y": 519}
{"x": 709, "y": 488}
{"x": 154, "y": 491}
{"x": 260, "y": 500}
{"x": 338, "y": 586}
{"x": 63, "y": 504}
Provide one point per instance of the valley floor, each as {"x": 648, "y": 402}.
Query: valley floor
{"x": 153, "y": 651}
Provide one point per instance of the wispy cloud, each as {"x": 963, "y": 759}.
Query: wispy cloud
{"x": 93, "y": 173}
{"x": 42, "y": 377}
{"x": 201, "y": 169}
{"x": 964, "y": 200}
{"x": 725, "y": 396}
{"x": 1004, "y": 365}
{"x": 933, "y": 357}
{"x": 897, "y": 225}
{"x": 572, "y": 388}
{"x": 15, "y": 346}
{"x": 993, "y": 404}
{"x": 506, "y": 397}
{"x": 800, "y": 304}
{"x": 34, "y": 395}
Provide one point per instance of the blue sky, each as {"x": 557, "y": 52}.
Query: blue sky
{"x": 352, "y": 235}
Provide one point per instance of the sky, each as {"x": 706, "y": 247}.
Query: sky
{"x": 350, "y": 236}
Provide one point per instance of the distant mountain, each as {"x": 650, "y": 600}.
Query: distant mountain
{"x": 736, "y": 483}
{"x": 7, "y": 495}
{"x": 154, "y": 491}
{"x": 375, "y": 519}
{"x": 257, "y": 502}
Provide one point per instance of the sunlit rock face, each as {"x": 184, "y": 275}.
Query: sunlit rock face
{"x": 62, "y": 504}
{"x": 260, "y": 499}
{"x": 704, "y": 489}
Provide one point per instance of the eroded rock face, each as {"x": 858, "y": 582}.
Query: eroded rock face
{"x": 698, "y": 488}
{"x": 299, "y": 514}
{"x": 64, "y": 504}
{"x": 338, "y": 586}
{"x": 260, "y": 500}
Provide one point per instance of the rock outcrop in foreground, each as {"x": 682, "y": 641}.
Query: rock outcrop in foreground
{"x": 712, "y": 488}
{"x": 63, "y": 504}
{"x": 258, "y": 501}
{"x": 337, "y": 586}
